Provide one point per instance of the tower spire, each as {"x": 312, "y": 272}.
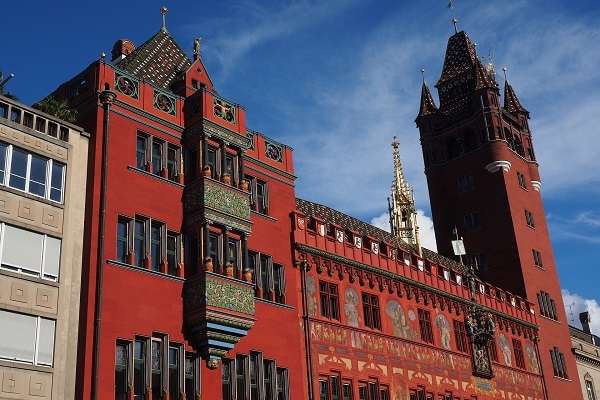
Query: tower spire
{"x": 163, "y": 11}
{"x": 427, "y": 106}
{"x": 403, "y": 218}
{"x": 511, "y": 102}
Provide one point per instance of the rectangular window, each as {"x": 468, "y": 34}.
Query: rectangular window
{"x": 241, "y": 369}
{"x": 139, "y": 369}
{"x": 529, "y": 219}
{"x": 147, "y": 237}
{"x": 28, "y": 172}
{"x": 259, "y": 197}
{"x": 371, "y": 311}
{"x": 522, "y": 180}
{"x": 347, "y": 390}
{"x": 425, "y": 325}
{"x": 589, "y": 387}
{"x": 518, "y": 349}
{"x": 330, "y": 304}
{"x": 460, "y": 335}
{"x": 269, "y": 276}
{"x": 282, "y": 384}
{"x": 211, "y": 161}
{"x": 547, "y": 306}
{"x": 156, "y": 368}
{"x": 26, "y": 338}
{"x": 472, "y": 221}
{"x": 191, "y": 378}
{"x": 465, "y": 183}
{"x": 558, "y": 363}
{"x": 537, "y": 259}
{"x": 121, "y": 370}
{"x": 174, "y": 372}
{"x": 29, "y": 253}
{"x": 227, "y": 367}
{"x": 157, "y": 156}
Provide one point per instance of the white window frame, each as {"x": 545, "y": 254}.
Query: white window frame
{"x": 36, "y": 344}
{"x": 48, "y": 178}
{"x": 19, "y": 269}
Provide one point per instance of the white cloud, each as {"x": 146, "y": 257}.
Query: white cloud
{"x": 426, "y": 232}
{"x": 579, "y": 304}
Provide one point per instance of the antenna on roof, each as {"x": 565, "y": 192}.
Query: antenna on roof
{"x": 571, "y": 312}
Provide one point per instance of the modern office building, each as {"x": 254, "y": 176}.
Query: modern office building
{"x": 43, "y": 163}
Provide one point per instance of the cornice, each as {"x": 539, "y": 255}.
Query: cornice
{"x": 391, "y": 275}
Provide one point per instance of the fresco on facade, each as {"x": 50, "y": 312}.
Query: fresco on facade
{"x": 311, "y": 289}
{"x": 400, "y": 322}
{"x": 350, "y": 307}
{"x": 532, "y": 361}
{"x": 505, "y": 349}
{"x": 442, "y": 324}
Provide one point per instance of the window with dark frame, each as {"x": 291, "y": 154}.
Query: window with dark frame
{"x": 371, "y": 313}
{"x": 472, "y": 221}
{"x": 460, "y": 336}
{"x": 518, "y": 350}
{"x": 522, "y": 180}
{"x": 466, "y": 182}
{"x": 143, "y": 235}
{"x": 425, "y": 325}
{"x": 558, "y": 363}
{"x": 529, "y": 219}
{"x": 252, "y": 377}
{"x": 547, "y": 306}
{"x": 537, "y": 259}
{"x": 157, "y": 156}
{"x": 329, "y": 299}
{"x": 268, "y": 276}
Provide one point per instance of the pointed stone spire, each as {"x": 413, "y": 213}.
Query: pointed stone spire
{"x": 427, "y": 106}
{"x": 511, "y": 102}
{"x": 403, "y": 216}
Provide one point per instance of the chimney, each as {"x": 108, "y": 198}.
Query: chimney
{"x": 585, "y": 319}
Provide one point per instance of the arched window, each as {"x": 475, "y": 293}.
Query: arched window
{"x": 470, "y": 141}
{"x": 453, "y": 148}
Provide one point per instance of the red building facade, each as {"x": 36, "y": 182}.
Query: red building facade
{"x": 204, "y": 276}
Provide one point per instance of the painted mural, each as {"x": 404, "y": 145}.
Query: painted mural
{"x": 400, "y": 322}
{"x": 504, "y": 346}
{"x": 351, "y": 302}
{"x": 311, "y": 289}
{"x": 444, "y": 327}
{"x": 531, "y": 357}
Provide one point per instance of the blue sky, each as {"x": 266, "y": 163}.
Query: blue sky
{"x": 337, "y": 79}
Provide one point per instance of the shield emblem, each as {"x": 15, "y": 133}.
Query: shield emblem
{"x": 300, "y": 223}
{"x": 375, "y": 247}
{"x": 357, "y": 242}
{"x": 321, "y": 229}
{"x": 339, "y": 235}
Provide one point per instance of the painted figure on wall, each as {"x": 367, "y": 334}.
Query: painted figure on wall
{"x": 312, "y": 299}
{"x": 442, "y": 324}
{"x": 350, "y": 307}
{"x": 400, "y": 322}
{"x": 532, "y": 361}
{"x": 505, "y": 348}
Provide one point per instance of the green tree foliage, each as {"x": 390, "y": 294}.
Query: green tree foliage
{"x": 57, "y": 108}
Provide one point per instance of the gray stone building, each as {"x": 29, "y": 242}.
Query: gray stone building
{"x": 586, "y": 347}
{"x": 43, "y": 164}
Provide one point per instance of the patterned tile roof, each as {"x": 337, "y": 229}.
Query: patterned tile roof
{"x": 428, "y": 106}
{"x": 330, "y": 215}
{"x": 158, "y": 61}
{"x": 460, "y": 57}
{"x": 511, "y": 102}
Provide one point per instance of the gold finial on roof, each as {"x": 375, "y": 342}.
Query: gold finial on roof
{"x": 504, "y": 70}
{"x": 423, "y": 74}
{"x": 163, "y": 11}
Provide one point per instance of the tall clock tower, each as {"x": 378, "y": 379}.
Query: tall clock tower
{"x": 484, "y": 184}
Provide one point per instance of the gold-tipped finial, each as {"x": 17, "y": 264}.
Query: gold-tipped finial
{"x": 163, "y": 11}
{"x": 102, "y": 56}
{"x": 454, "y": 20}
{"x": 403, "y": 214}
{"x": 504, "y": 70}
{"x": 423, "y": 74}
